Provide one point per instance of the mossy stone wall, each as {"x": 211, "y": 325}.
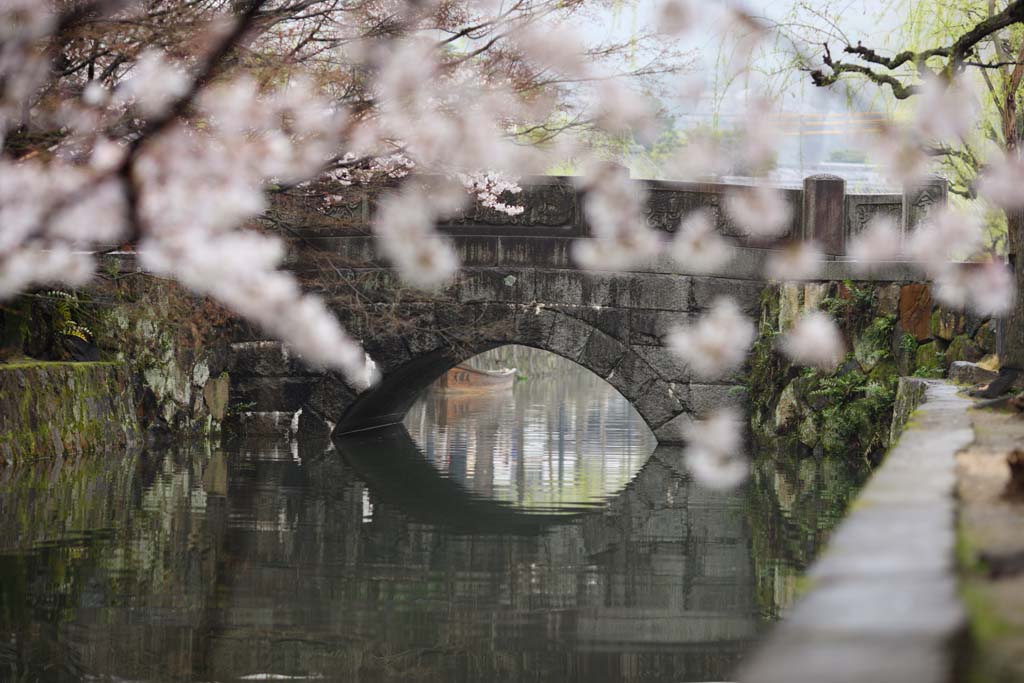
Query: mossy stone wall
{"x": 890, "y": 329}
{"x": 56, "y": 409}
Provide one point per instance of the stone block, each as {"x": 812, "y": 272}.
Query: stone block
{"x": 746, "y": 293}
{"x": 388, "y": 352}
{"x": 215, "y": 395}
{"x": 613, "y": 321}
{"x": 330, "y": 398}
{"x": 916, "y": 310}
{"x": 706, "y": 398}
{"x": 787, "y": 410}
{"x": 569, "y": 337}
{"x": 658, "y": 403}
{"x": 559, "y": 287}
{"x": 888, "y": 297}
{"x": 962, "y": 348}
{"x": 662, "y": 292}
{"x": 550, "y": 252}
{"x": 814, "y": 292}
{"x": 790, "y": 305}
{"x": 533, "y": 324}
{"x": 674, "y": 431}
{"x": 648, "y": 328}
{"x": 485, "y": 285}
{"x": 271, "y": 394}
{"x": 985, "y": 337}
{"x": 664, "y": 362}
{"x": 477, "y": 250}
{"x": 922, "y": 198}
{"x": 265, "y": 359}
{"x": 632, "y": 375}
{"x": 963, "y": 372}
{"x": 602, "y": 353}
{"x": 947, "y": 324}
{"x": 824, "y": 207}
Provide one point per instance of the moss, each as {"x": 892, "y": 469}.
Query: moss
{"x": 845, "y": 413}
{"x": 929, "y": 361}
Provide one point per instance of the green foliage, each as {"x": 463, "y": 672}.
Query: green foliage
{"x": 908, "y": 343}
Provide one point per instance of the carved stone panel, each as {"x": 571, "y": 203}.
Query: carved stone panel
{"x": 920, "y": 199}
{"x": 666, "y": 208}
{"x": 859, "y": 213}
{"x": 547, "y": 208}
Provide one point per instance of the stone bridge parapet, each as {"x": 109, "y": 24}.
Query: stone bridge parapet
{"x": 518, "y": 285}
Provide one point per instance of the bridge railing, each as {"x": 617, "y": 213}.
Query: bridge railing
{"x": 822, "y": 210}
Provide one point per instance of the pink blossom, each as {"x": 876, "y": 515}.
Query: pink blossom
{"x": 877, "y": 243}
{"x": 1002, "y": 181}
{"x": 697, "y": 246}
{"x": 717, "y": 343}
{"x": 675, "y": 17}
{"x": 155, "y": 82}
{"x": 814, "y": 340}
{"x": 945, "y": 110}
{"x": 797, "y": 260}
{"x": 759, "y": 211}
{"x": 714, "y": 450}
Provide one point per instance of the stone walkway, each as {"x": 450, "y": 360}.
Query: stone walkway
{"x": 882, "y": 603}
{"x": 991, "y": 548}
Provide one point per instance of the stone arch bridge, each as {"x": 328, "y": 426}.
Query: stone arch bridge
{"x": 518, "y": 285}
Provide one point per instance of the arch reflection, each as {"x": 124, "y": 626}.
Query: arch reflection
{"x": 558, "y": 439}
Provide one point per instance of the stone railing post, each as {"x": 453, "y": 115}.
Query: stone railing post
{"x": 920, "y": 198}
{"x": 824, "y": 214}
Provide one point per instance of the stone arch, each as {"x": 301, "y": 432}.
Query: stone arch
{"x": 408, "y": 366}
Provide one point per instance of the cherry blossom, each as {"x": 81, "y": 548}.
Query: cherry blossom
{"x": 877, "y": 243}
{"x": 901, "y": 153}
{"x": 717, "y": 343}
{"x": 946, "y": 233}
{"x": 614, "y": 208}
{"x": 404, "y": 227}
{"x": 798, "y": 260}
{"x": 714, "y": 452}
{"x": 155, "y": 82}
{"x": 697, "y": 246}
{"x": 675, "y": 17}
{"x": 814, "y": 340}
{"x": 944, "y": 110}
{"x": 759, "y": 210}
{"x": 1002, "y": 181}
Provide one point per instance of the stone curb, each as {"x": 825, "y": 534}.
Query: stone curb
{"x": 883, "y": 603}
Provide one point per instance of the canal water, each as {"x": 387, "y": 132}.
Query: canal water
{"x": 535, "y": 532}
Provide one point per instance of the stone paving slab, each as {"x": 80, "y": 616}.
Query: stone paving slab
{"x": 991, "y": 545}
{"x": 883, "y": 604}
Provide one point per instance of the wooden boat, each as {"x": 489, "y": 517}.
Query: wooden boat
{"x": 465, "y": 378}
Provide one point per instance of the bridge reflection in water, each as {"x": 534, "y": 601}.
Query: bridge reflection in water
{"x": 560, "y": 439}
{"x": 373, "y": 561}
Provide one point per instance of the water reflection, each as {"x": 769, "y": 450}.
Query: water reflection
{"x": 560, "y": 438}
{"x": 361, "y": 562}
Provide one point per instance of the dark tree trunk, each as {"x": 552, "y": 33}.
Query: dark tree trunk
{"x": 1011, "y": 351}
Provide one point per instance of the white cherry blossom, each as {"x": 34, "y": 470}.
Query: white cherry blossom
{"x": 759, "y": 210}
{"x": 697, "y": 247}
{"x": 798, "y": 260}
{"x": 674, "y": 17}
{"x": 717, "y": 343}
{"x": 714, "y": 451}
{"x": 814, "y": 340}
{"x": 878, "y": 242}
{"x": 154, "y": 83}
{"x": 1002, "y": 181}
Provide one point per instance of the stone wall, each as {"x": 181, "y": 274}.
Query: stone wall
{"x": 173, "y": 344}
{"x": 891, "y": 329}
{"x": 64, "y": 409}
